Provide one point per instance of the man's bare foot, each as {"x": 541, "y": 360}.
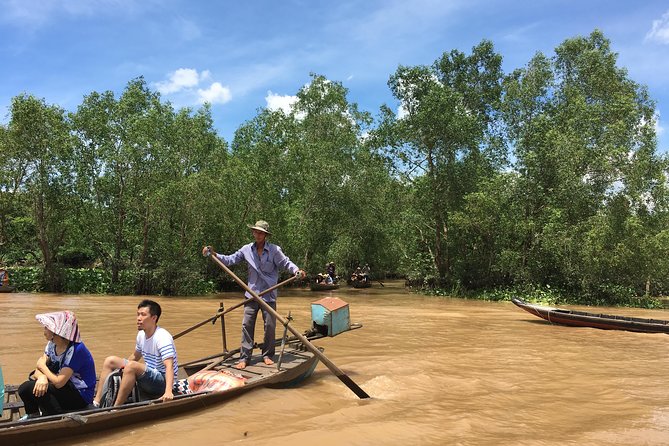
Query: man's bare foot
{"x": 241, "y": 365}
{"x": 267, "y": 360}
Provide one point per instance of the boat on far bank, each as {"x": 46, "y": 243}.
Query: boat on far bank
{"x": 7, "y": 288}
{"x": 594, "y": 320}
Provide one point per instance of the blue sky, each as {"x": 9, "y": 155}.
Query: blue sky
{"x": 242, "y": 56}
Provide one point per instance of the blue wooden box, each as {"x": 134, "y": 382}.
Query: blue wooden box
{"x": 330, "y": 316}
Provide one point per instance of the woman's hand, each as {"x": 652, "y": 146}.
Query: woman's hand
{"x": 41, "y": 386}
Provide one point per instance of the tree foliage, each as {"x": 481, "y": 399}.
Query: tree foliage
{"x": 547, "y": 176}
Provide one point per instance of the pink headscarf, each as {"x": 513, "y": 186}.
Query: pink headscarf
{"x": 62, "y": 323}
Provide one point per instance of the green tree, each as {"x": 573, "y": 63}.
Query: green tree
{"x": 40, "y": 160}
{"x": 585, "y": 148}
{"x": 447, "y": 139}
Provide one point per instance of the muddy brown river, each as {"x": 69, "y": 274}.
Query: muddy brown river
{"x": 440, "y": 371}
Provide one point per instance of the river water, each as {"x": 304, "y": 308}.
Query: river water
{"x": 440, "y": 371}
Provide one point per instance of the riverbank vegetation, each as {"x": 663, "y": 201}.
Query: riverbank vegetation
{"x": 481, "y": 182}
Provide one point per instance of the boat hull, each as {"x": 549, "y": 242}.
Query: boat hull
{"x": 361, "y": 284}
{"x": 324, "y": 287}
{"x": 594, "y": 320}
{"x": 7, "y": 288}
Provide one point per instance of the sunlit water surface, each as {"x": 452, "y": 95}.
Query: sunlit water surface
{"x": 440, "y": 371}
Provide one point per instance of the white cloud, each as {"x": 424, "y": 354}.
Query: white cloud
{"x": 183, "y": 85}
{"x": 660, "y": 30}
{"x": 277, "y": 102}
{"x": 215, "y": 94}
{"x": 181, "y": 79}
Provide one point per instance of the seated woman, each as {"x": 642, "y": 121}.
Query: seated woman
{"x": 64, "y": 379}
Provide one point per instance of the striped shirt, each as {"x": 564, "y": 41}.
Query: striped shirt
{"x": 157, "y": 349}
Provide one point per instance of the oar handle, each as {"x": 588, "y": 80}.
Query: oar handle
{"x": 330, "y": 365}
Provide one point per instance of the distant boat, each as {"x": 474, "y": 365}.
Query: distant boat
{"x": 594, "y": 320}
{"x": 361, "y": 283}
{"x": 323, "y": 286}
{"x": 7, "y": 288}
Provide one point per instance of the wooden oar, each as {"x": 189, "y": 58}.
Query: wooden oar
{"x": 381, "y": 283}
{"x": 343, "y": 377}
{"x": 219, "y": 314}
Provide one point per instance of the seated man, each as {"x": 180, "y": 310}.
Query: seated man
{"x": 155, "y": 344}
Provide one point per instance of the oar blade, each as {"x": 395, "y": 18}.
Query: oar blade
{"x": 353, "y": 386}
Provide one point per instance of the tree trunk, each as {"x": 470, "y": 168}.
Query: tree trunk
{"x": 440, "y": 230}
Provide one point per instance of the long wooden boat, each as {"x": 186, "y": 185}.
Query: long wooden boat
{"x": 7, "y": 288}
{"x": 324, "y": 286}
{"x": 296, "y": 364}
{"x": 594, "y": 320}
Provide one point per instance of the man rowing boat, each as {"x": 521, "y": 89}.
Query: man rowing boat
{"x": 264, "y": 261}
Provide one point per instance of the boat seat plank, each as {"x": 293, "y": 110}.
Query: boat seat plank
{"x": 13, "y": 405}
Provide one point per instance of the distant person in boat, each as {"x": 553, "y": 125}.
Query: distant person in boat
{"x": 324, "y": 279}
{"x": 64, "y": 379}
{"x": 157, "y": 374}
{"x": 4, "y": 277}
{"x": 360, "y": 274}
{"x": 365, "y": 273}
{"x": 330, "y": 269}
{"x": 264, "y": 260}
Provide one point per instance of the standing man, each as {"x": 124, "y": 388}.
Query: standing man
{"x": 158, "y": 373}
{"x": 330, "y": 269}
{"x": 264, "y": 261}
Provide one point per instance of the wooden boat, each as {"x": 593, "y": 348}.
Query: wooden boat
{"x": 7, "y": 288}
{"x": 323, "y": 286}
{"x": 296, "y": 364}
{"x": 594, "y": 320}
{"x": 361, "y": 283}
